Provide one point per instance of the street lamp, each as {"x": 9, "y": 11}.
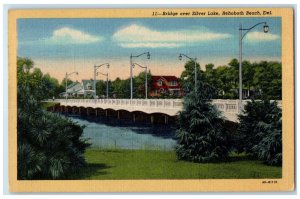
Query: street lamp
{"x": 66, "y": 79}
{"x": 241, "y": 29}
{"x": 95, "y": 71}
{"x": 146, "y": 78}
{"x": 194, "y": 60}
{"x": 106, "y": 82}
{"x": 131, "y": 66}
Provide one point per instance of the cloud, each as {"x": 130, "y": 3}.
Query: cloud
{"x": 261, "y": 37}
{"x": 67, "y": 35}
{"x": 136, "y": 36}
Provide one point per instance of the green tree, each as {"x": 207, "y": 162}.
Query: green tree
{"x": 49, "y": 146}
{"x": 101, "y": 88}
{"x": 248, "y": 76}
{"x": 201, "y": 135}
{"x": 121, "y": 88}
{"x": 63, "y": 82}
{"x": 187, "y": 78}
{"x": 42, "y": 86}
{"x": 226, "y": 88}
{"x": 234, "y": 72}
{"x": 260, "y": 131}
{"x": 139, "y": 84}
{"x": 210, "y": 77}
{"x": 268, "y": 80}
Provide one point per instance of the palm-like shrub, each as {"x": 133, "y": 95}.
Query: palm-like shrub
{"x": 201, "y": 134}
{"x": 49, "y": 145}
{"x": 260, "y": 131}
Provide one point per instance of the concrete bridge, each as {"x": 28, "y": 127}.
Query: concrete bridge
{"x": 167, "y": 107}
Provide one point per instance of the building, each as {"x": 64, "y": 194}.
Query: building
{"x": 80, "y": 89}
{"x": 165, "y": 85}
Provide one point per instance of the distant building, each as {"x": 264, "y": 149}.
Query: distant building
{"x": 168, "y": 85}
{"x": 80, "y": 89}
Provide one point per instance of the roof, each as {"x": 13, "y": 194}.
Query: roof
{"x": 72, "y": 85}
{"x": 90, "y": 82}
{"x": 165, "y": 79}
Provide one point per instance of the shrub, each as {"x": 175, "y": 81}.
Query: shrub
{"x": 201, "y": 134}
{"x": 49, "y": 146}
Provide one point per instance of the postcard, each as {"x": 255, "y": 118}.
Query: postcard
{"x": 151, "y": 100}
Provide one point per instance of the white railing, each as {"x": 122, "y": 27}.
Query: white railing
{"x": 158, "y": 103}
{"x": 230, "y": 108}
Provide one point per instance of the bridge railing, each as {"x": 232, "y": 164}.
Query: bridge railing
{"x": 230, "y": 108}
{"x": 224, "y": 105}
{"x": 157, "y": 103}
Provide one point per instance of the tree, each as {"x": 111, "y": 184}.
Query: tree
{"x": 187, "y": 78}
{"x": 121, "y": 88}
{"x": 248, "y": 75}
{"x": 268, "y": 80}
{"x": 101, "y": 88}
{"x": 24, "y": 65}
{"x": 51, "y": 84}
{"x": 201, "y": 136}
{"x": 42, "y": 86}
{"x": 63, "y": 82}
{"x": 49, "y": 146}
{"x": 139, "y": 84}
{"x": 260, "y": 131}
{"x": 262, "y": 80}
{"x": 211, "y": 78}
{"x": 234, "y": 72}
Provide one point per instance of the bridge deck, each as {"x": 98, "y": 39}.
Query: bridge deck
{"x": 166, "y": 106}
{"x": 170, "y": 107}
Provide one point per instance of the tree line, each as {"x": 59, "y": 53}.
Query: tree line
{"x": 261, "y": 80}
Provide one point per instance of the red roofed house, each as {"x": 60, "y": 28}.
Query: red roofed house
{"x": 165, "y": 84}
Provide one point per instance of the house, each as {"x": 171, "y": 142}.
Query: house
{"x": 80, "y": 89}
{"x": 165, "y": 85}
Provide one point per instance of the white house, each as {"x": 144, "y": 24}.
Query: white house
{"x": 80, "y": 89}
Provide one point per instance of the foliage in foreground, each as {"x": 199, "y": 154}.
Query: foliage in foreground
{"x": 201, "y": 134}
{"x": 260, "y": 131}
{"x": 49, "y": 145}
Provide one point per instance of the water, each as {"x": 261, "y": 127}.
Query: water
{"x": 110, "y": 133}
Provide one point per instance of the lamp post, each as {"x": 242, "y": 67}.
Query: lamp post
{"x": 95, "y": 72}
{"x": 131, "y": 66}
{"x": 66, "y": 79}
{"x": 106, "y": 82}
{"x": 241, "y": 37}
{"x": 194, "y": 60}
{"x": 146, "y": 78}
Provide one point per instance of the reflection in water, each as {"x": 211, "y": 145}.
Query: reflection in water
{"x": 110, "y": 133}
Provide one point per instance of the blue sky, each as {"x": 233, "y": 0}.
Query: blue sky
{"x": 79, "y": 43}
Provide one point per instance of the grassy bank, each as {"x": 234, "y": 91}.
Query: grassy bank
{"x": 142, "y": 164}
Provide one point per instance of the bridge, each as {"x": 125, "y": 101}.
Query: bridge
{"x": 167, "y": 107}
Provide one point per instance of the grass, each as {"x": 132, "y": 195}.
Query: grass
{"x": 145, "y": 164}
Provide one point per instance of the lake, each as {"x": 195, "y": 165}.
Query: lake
{"x": 110, "y": 133}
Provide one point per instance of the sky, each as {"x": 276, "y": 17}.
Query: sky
{"x": 58, "y": 46}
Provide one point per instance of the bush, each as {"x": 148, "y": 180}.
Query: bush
{"x": 49, "y": 146}
{"x": 260, "y": 131}
{"x": 201, "y": 134}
